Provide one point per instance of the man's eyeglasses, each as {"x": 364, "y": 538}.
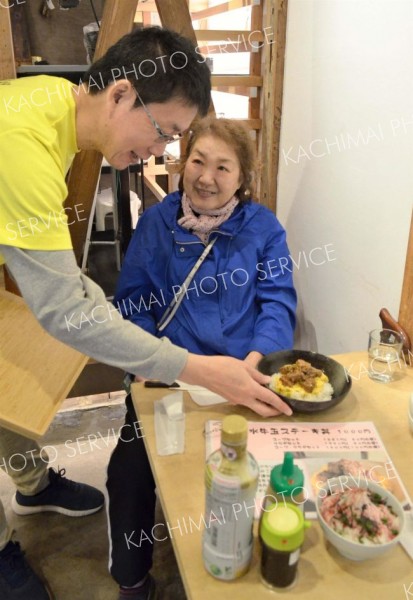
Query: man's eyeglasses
{"x": 162, "y": 137}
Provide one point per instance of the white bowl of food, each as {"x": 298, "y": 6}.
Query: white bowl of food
{"x": 360, "y": 519}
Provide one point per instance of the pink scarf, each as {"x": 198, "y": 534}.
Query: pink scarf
{"x": 202, "y": 221}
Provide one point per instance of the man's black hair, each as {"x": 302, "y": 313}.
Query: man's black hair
{"x": 160, "y": 64}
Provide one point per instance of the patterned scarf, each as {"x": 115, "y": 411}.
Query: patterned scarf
{"x": 202, "y": 221}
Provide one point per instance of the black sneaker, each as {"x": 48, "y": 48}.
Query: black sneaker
{"x": 62, "y": 496}
{"x": 17, "y": 580}
{"x": 147, "y": 591}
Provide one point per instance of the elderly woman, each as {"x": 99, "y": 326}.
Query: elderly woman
{"x": 210, "y": 269}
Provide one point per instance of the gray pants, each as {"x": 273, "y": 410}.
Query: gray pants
{"x": 26, "y": 463}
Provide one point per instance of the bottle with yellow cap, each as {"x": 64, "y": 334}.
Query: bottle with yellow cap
{"x": 281, "y": 534}
{"x": 231, "y": 479}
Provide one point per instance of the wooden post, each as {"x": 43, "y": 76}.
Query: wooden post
{"x": 7, "y": 71}
{"x": 175, "y": 15}
{"x": 20, "y": 31}
{"x": 406, "y": 311}
{"x": 255, "y": 70}
{"x": 7, "y": 64}
{"x": 275, "y": 21}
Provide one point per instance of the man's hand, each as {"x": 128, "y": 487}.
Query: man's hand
{"x": 237, "y": 381}
{"x": 253, "y": 358}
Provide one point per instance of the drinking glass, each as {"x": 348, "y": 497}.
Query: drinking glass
{"x": 385, "y": 346}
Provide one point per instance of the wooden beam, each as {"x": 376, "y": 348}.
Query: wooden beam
{"x": 222, "y": 8}
{"x": 174, "y": 14}
{"x": 154, "y": 187}
{"x": 148, "y": 6}
{"x": 7, "y": 63}
{"x": 274, "y": 17}
{"x": 81, "y": 183}
{"x": 237, "y": 80}
{"x": 229, "y": 35}
{"x": 117, "y": 20}
{"x": 237, "y": 90}
{"x": 150, "y": 171}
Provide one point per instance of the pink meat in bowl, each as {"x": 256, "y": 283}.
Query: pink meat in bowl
{"x": 362, "y": 520}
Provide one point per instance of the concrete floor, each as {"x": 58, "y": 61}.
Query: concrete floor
{"x": 72, "y": 553}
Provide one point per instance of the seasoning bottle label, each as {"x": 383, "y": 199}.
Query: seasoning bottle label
{"x": 294, "y": 556}
{"x": 229, "y": 515}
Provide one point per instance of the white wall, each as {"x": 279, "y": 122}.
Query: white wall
{"x": 346, "y": 163}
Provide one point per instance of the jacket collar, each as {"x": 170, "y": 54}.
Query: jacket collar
{"x": 242, "y": 215}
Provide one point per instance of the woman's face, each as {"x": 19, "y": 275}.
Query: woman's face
{"x": 212, "y": 173}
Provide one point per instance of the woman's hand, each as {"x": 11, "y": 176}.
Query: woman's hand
{"x": 237, "y": 381}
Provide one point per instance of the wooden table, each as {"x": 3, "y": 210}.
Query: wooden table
{"x": 323, "y": 573}
{"x": 36, "y": 370}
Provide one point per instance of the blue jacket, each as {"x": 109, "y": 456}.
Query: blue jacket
{"x": 241, "y": 299}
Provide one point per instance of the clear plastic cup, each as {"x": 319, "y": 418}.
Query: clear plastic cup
{"x": 385, "y": 347}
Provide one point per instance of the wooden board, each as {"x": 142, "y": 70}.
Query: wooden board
{"x": 36, "y": 370}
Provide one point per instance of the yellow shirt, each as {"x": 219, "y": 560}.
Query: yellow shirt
{"x": 37, "y": 146}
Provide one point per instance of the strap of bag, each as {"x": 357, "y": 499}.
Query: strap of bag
{"x": 177, "y": 299}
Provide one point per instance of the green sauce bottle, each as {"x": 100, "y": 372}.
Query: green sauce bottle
{"x": 231, "y": 480}
{"x": 286, "y": 484}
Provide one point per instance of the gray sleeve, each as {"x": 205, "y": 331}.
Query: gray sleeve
{"x": 73, "y": 309}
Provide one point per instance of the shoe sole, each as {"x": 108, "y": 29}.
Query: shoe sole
{"x": 31, "y": 510}
{"x": 153, "y": 595}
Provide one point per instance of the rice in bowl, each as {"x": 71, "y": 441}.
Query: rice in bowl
{"x": 361, "y": 515}
{"x": 301, "y": 381}
{"x": 362, "y": 520}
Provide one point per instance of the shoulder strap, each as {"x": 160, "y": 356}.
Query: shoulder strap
{"x": 177, "y": 299}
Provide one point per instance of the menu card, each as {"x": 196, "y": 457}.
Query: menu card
{"x": 321, "y": 451}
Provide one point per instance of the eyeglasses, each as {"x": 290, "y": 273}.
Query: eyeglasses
{"x": 162, "y": 137}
